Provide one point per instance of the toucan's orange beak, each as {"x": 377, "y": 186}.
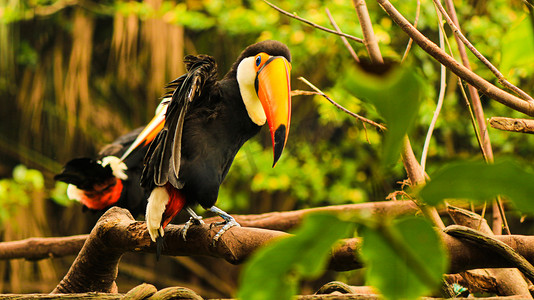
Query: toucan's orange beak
{"x": 150, "y": 131}
{"x": 274, "y": 91}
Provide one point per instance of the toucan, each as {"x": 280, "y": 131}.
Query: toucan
{"x": 205, "y": 124}
{"x": 112, "y": 178}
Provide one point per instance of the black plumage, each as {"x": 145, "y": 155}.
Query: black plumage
{"x": 206, "y": 125}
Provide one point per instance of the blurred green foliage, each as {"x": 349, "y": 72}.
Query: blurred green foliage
{"x": 18, "y": 191}
{"x": 274, "y": 271}
{"x": 405, "y": 258}
{"x": 477, "y": 180}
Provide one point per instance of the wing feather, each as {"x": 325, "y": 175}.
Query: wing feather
{"x": 163, "y": 159}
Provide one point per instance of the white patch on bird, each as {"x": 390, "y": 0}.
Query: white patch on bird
{"x": 246, "y": 75}
{"x": 154, "y": 211}
{"x": 117, "y": 166}
{"x": 74, "y": 193}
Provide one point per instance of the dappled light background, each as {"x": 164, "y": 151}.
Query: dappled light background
{"x": 75, "y": 75}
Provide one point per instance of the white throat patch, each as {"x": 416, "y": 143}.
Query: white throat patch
{"x": 246, "y": 76}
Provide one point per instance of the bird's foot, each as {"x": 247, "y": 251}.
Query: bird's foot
{"x": 228, "y": 223}
{"x": 192, "y": 221}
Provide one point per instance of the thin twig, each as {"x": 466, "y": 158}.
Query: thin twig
{"x": 481, "y": 57}
{"x": 443, "y": 85}
{"x": 369, "y": 37}
{"x": 473, "y": 119}
{"x": 294, "y": 16}
{"x": 363, "y": 119}
{"x": 415, "y": 21}
{"x": 344, "y": 39}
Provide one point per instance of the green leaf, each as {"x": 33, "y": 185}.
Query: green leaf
{"x": 386, "y": 249}
{"x": 518, "y": 46}
{"x": 273, "y": 272}
{"x": 396, "y": 96}
{"x": 477, "y": 180}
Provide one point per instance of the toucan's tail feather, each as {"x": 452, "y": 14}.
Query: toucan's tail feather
{"x": 160, "y": 245}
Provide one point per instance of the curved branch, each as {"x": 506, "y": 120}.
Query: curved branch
{"x": 116, "y": 232}
{"x": 472, "y": 78}
{"x": 40, "y": 248}
{"x": 95, "y": 268}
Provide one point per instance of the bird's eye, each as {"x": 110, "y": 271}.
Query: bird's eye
{"x": 258, "y": 61}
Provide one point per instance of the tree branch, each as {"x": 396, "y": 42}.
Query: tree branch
{"x": 511, "y": 124}
{"x": 485, "y": 61}
{"x": 95, "y": 268}
{"x": 481, "y": 84}
{"x": 363, "y": 119}
{"x": 116, "y": 232}
{"x": 40, "y": 248}
{"x": 369, "y": 38}
{"x": 508, "y": 281}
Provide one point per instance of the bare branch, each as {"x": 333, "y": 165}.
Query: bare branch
{"x": 481, "y": 57}
{"x": 410, "y": 41}
{"x": 294, "y": 16}
{"x": 344, "y": 39}
{"x": 481, "y": 84}
{"x": 417, "y": 177}
{"x": 512, "y": 124}
{"x": 40, "y": 248}
{"x": 369, "y": 38}
{"x": 319, "y": 92}
{"x": 508, "y": 281}
{"x": 95, "y": 268}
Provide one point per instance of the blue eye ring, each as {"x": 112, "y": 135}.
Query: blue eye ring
{"x": 258, "y": 61}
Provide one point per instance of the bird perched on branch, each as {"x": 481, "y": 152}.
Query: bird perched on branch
{"x": 206, "y": 123}
{"x": 112, "y": 178}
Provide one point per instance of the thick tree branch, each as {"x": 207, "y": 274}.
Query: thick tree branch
{"x": 481, "y": 84}
{"x": 40, "y": 248}
{"x": 508, "y": 281}
{"x": 95, "y": 268}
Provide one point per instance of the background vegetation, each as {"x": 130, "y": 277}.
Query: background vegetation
{"x": 76, "y": 74}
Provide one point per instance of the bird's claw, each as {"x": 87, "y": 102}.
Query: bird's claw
{"x": 227, "y": 225}
{"x": 191, "y": 221}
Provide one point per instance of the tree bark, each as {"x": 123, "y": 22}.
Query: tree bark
{"x": 40, "y": 248}
{"x": 95, "y": 268}
{"x": 506, "y": 281}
